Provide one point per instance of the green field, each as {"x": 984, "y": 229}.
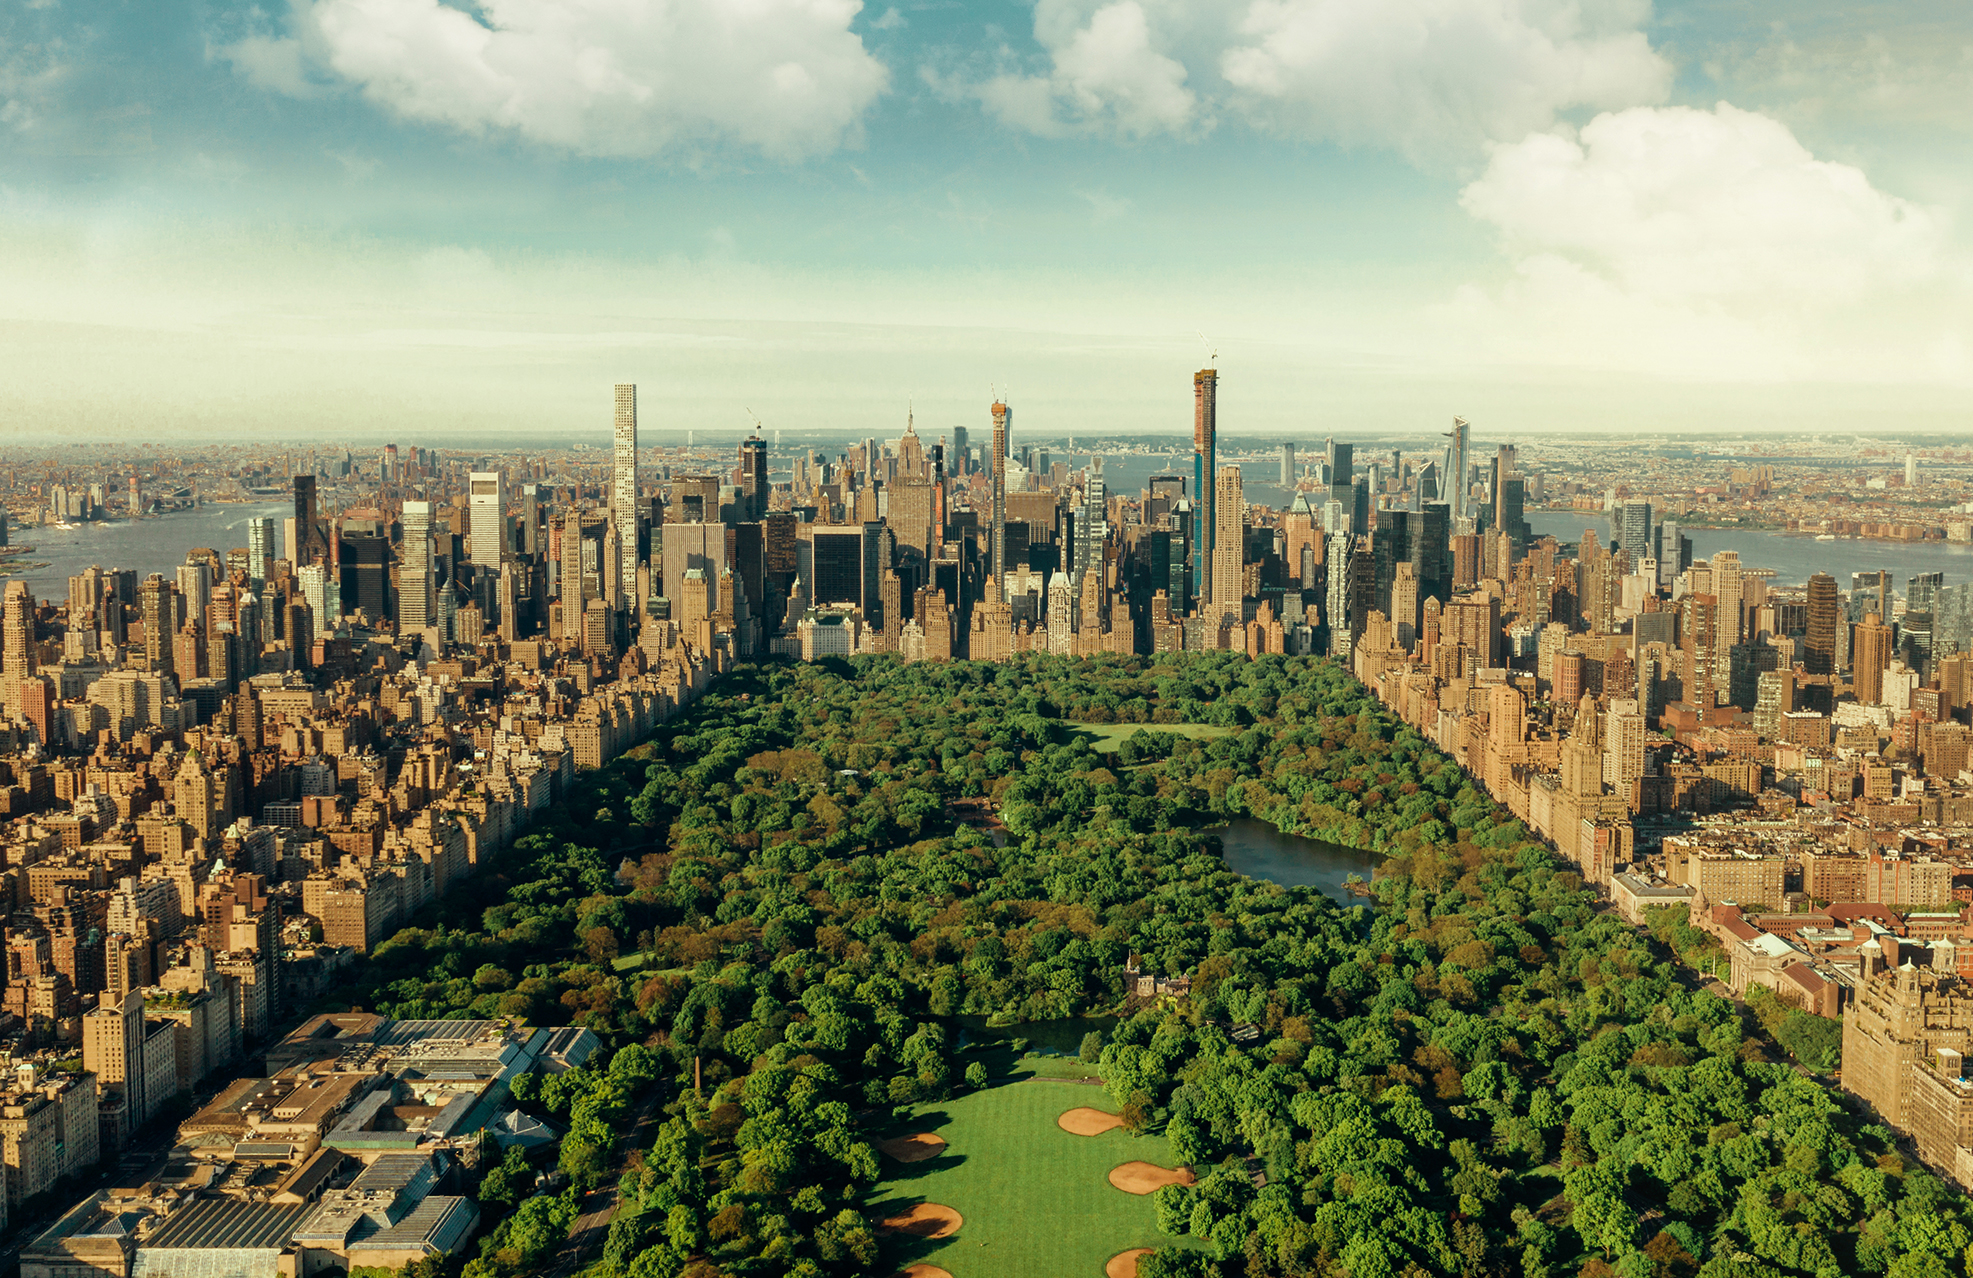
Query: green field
{"x": 1106, "y": 737}
{"x": 1036, "y": 1201}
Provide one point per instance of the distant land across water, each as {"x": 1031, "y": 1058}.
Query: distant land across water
{"x": 1794, "y": 558}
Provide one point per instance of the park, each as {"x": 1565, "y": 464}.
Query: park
{"x": 1029, "y": 1177}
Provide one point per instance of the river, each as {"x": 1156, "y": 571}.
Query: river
{"x": 1258, "y": 849}
{"x": 148, "y": 545}
{"x": 1793, "y": 559}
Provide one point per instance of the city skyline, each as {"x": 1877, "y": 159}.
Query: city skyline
{"x": 1598, "y": 218}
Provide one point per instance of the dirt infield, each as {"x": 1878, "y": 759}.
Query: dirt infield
{"x": 1147, "y": 1178}
{"x": 923, "y": 1271}
{"x": 1124, "y": 1263}
{"x": 929, "y": 1220}
{"x": 915, "y": 1148}
{"x": 1087, "y": 1122}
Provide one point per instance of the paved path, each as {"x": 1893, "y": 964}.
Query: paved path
{"x": 599, "y": 1206}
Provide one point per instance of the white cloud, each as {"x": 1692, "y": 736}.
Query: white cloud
{"x": 1677, "y": 202}
{"x": 1107, "y": 77}
{"x": 1685, "y": 242}
{"x": 602, "y": 77}
{"x": 268, "y": 62}
{"x": 1434, "y": 77}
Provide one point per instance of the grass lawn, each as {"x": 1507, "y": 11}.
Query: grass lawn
{"x": 1038, "y": 1198}
{"x": 1104, "y": 738}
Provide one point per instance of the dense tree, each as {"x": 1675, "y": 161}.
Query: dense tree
{"x": 1480, "y": 1073}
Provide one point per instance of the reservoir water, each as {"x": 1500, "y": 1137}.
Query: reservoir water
{"x": 148, "y": 545}
{"x": 1258, "y": 849}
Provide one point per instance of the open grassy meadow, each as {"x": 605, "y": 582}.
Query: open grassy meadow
{"x": 1036, "y": 1200}
{"x": 1106, "y": 737}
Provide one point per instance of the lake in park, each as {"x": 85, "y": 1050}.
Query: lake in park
{"x": 1258, "y": 849}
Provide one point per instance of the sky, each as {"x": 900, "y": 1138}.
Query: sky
{"x": 435, "y": 220}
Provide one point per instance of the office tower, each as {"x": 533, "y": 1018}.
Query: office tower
{"x": 310, "y": 540}
{"x": 1453, "y": 485}
{"x": 1870, "y": 656}
{"x": 530, "y": 520}
{"x": 837, "y": 566}
{"x": 486, "y": 529}
{"x": 962, "y": 456}
{"x": 1092, "y": 527}
{"x": 195, "y": 587}
{"x": 136, "y": 499}
{"x": 1674, "y": 553}
{"x": 17, "y": 660}
{"x": 365, "y": 563}
{"x": 1336, "y": 607}
{"x": 415, "y": 577}
{"x": 1922, "y": 590}
{"x": 754, "y": 484}
{"x": 1002, "y": 420}
{"x": 88, "y": 590}
{"x": 1910, "y": 470}
{"x": 1287, "y": 465}
{"x": 1634, "y": 530}
{"x": 1623, "y": 746}
{"x": 1699, "y": 632}
{"x": 1819, "y": 656}
{"x": 623, "y": 490}
{"x": 260, "y": 549}
{"x": 113, "y": 1050}
{"x": 1728, "y": 590}
{"x": 159, "y": 610}
{"x": 1205, "y": 453}
{"x": 318, "y": 591}
{"x": 877, "y": 560}
{"x": 1870, "y": 592}
{"x": 1229, "y": 546}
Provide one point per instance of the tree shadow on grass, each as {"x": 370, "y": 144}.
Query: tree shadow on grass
{"x": 901, "y": 1250}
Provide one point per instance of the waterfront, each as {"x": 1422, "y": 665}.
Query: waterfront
{"x": 1258, "y": 849}
{"x": 1793, "y": 558}
{"x": 147, "y": 545}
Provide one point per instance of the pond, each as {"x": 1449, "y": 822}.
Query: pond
{"x": 1258, "y": 849}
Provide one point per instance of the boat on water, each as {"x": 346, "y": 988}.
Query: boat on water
{"x": 1826, "y": 537}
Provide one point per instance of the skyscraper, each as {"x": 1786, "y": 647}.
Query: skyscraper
{"x": 1003, "y": 418}
{"x": 260, "y": 549}
{"x": 1229, "y": 545}
{"x": 1287, "y": 465}
{"x": 159, "y": 611}
{"x": 623, "y": 488}
{"x": 1870, "y": 656}
{"x": 414, "y": 576}
{"x": 486, "y": 531}
{"x": 1456, "y": 470}
{"x": 311, "y": 543}
{"x": 754, "y": 484}
{"x": 1819, "y": 654}
{"x": 1092, "y": 527}
{"x": 1205, "y": 471}
{"x": 195, "y": 584}
{"x": 16, "y": 640}
{"x": 1634, "y": 530}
